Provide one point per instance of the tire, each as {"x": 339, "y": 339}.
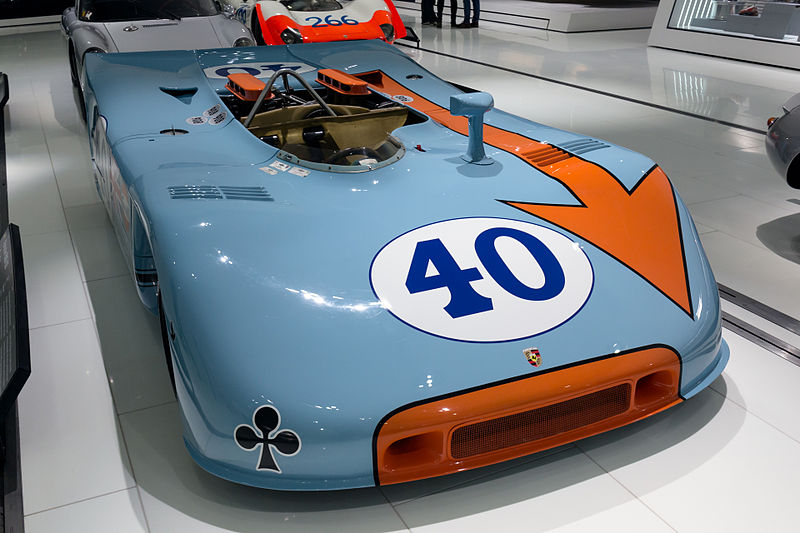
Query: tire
{"x": 165, "y": 342}
{"x": 255, "y": 28}
{"x": 73, "y": 69}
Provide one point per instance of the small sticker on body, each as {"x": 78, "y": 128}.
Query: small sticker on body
{"x": 280, "y": 165}
{"x": 297, "y": 171}
{"x": 211, "y": 111}
{"x": 402, "y": 98}
{"x": 196, "y": 121}
{"x": 268, "y": 170}
{"x": 218, "y": 118}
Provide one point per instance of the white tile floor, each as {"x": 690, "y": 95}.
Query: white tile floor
{"x": 101, "y": 447}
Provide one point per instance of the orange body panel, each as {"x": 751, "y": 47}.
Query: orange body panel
{"x": 640, "y": 228}
{"x": 272, "y": 28}
{"x": 416, "y": 442}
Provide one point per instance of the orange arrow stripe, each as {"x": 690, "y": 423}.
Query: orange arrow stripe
{"x": 641, "y": 228}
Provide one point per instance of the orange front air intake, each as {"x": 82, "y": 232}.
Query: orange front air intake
{"x": 527, "y": 415}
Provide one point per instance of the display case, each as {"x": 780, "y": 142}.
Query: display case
{"x": 760, "y": 31}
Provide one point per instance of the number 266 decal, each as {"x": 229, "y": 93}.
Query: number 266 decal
{"x": 330, "y": 20}
{"x": 482, "y": 279}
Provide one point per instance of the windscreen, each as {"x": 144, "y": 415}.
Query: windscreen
{"x": 311, "y": 5}
{"x": 123, "y": 10}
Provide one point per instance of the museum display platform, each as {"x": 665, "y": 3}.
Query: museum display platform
{"x": 568, "y": 17}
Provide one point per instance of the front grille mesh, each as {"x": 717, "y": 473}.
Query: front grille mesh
{"x": 539, "y": 423}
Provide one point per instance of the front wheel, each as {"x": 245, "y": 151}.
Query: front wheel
{"x": 255, "y": 27}
{"x": 73, "y": 69}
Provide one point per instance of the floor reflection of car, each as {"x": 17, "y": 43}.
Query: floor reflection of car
{"x": 302, "y": 21}
{"x": 143, "y": 25}
{"x": 783, "y": 142}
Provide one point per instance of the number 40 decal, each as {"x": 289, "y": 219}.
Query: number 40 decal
{"x": 464, "y": 299}
{"x": 482, "y": 279}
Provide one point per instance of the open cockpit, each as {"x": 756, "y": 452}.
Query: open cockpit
{"x": 342, "y": 125}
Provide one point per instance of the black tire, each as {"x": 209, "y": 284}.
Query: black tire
{"x": 256, "y": 29}
{"x": 73, "y": 69}
{"x": 165, "y": 342}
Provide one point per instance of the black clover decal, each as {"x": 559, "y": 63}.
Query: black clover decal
{"x": 267, "y": 419}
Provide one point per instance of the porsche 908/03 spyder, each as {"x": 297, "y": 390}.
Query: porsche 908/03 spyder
{"x": 315, "y": 21}
{"x": 361, "y": 283}
{"x": 93, "y": 26}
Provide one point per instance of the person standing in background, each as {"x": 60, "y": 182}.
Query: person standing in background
{"x": 453, "y": 11}
{"x": 428, "y": 16}
{"x": 476, "y": 12}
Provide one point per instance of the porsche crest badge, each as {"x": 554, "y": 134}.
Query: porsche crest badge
{"x": 533, "y": 356}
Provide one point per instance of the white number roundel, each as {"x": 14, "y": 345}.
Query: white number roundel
{"x": 482, "y": 279}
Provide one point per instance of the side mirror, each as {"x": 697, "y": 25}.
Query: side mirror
{"x": 228, "y": 11}
{"x": 473, "y": 106}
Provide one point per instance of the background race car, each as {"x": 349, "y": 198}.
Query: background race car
{"x": 299, "y": 21}
{"x": 783, "y": 142}
{"x": 98, "y": 26}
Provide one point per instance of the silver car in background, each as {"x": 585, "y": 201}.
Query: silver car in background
{"x": 144, "y": 25}
{"x": 783, "y": 142}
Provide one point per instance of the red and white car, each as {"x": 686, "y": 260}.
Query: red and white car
{"x": 310, "y": 21}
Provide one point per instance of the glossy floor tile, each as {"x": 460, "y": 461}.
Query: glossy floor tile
{"x": 130, "y": 338}
{"x": 534, "y": 497}
{"x": 750, "y": 269}
{"x": 701, "y": 465}
{"x": 726, "y": 460}
{"x": 35, "y": 203}
{"x": 120, "y": 512}
{"x": 55, "y": 290}
{"x": 768, "y": 384}
{"x": 71, "y": 447}
{"x": 96, "y": 245}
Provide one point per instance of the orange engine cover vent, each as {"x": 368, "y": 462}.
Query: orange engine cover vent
{"x": 544, "y": 155}
{"x": 245, "y": 86}
{"x": 342, "y": 82}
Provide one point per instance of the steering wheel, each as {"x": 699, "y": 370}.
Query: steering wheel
{"x": 314, "y": 113}
{"x": 355, "y": 150}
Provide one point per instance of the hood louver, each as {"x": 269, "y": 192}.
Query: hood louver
{"x": 582, "y": 146}
{"x": 222, "y": 192}
{"x": 544, "y": 155}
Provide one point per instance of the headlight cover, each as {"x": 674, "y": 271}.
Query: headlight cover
{"x": 291, "y": 36}
{"x": 388, "y": 32}
{"x": 243, "y": 41}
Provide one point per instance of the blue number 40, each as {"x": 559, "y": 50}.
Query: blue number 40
{"x": 464, "y": 299}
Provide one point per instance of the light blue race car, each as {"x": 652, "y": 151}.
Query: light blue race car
{"x": 366, "y": 275}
